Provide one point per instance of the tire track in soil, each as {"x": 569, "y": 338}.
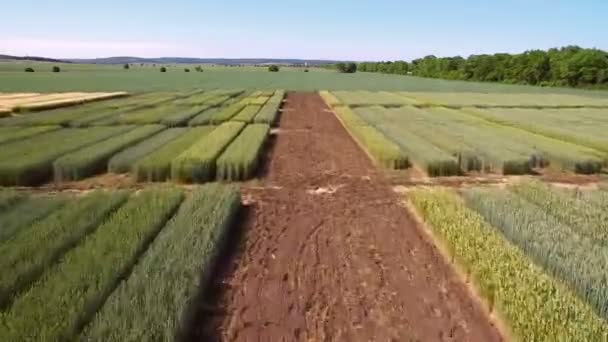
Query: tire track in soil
{"x": 346, "y": 264}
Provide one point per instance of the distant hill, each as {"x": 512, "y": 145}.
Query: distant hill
{"x": 32, "y": 58}
{"x": 186, "y": 60}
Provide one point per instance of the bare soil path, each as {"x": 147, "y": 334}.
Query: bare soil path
{"x": 328, "y": 254}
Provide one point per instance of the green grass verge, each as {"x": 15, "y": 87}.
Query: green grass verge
{"x": 536, "y": 307}
{"x": 67, "y": 296}
{"x": 240, "y": 160}
{"x": 93, "y": 159}
{"x": 197, "y": 164}
{"x": 158, "y": 300}
{"x": 156, "y": 166}
{"x": 25, "y": 257}
{"x": 124, "y": 161}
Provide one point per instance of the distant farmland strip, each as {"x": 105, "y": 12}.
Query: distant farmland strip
{"x": 26, "y": 212}
{"x": 8, "y": 134}
{"x": 26, "y": 162}
{"x": 197, "y": 164}
{"x": 247, "y": 114}
{"x": 575, "y": 259}
{"x": 124, "y": 161}
{"x": 536, "y": 307}
{"x": 240, "y": 160}
{"x": 159, "y": 299}
{"x": 385, "y": 152}
{"x": 67, "y": 296}
{"x": 93, "y": 159}
{"x": 156, "y": 166}
{"x": 33, "y": 249}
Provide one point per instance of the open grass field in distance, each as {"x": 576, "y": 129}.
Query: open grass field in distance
{"x": 81, "y": 77}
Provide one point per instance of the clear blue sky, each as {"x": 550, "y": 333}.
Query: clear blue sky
{"x": 339, "y": 29}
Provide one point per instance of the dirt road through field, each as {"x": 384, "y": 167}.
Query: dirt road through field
{"x": 328, "y": 254}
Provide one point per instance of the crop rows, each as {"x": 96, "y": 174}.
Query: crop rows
{"x": 93, "y": 159}
{"x": 573, "y": 255}
{"x": 39, "y": 244}
{"x": 8, "y": 134}
{"x": 124, "y": 161}
{"x": 158, "y": 300}
{"x": 480, "y": 145}
{"x": 536, "y": 307}
{"x": 26, "y": 162}
{"x": 434, "y": 160}
{"x": 197, "y": 164}
{"x": 19, "y": 213}
{"x": 377, "y": 146}
{"x": 156, "y": 166}
{"x": 66, "y": 297}
{"x": 584, "y": 126}
{"x": 240, "y": 160}
{"x": 269, "y": 112}
{"x": 247, "y": 114}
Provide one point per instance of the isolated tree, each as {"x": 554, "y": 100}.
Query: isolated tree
{"x": 351, "y": 68}
{"x": 29, "y": 69}
{"x": 56, "y": 69}
{"x": 186, "y": 70}
{"x": 305, "y": 70}
{"x": 126, "y": 66}
{"x": 163, "y": 69}
{"x": 348, "y": 68}
{"x": 198, "y": 68}
{"x": 273, "y": 68}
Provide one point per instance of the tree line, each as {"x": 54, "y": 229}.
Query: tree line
{"x": 567, "y": 66}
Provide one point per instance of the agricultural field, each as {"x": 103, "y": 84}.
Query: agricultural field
{"x": 448, "y": 134}
{"x": 144, "y": 135}
{"x": 239, "y": 214}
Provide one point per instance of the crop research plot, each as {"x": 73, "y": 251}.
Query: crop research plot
{"x": 262, "y": 214}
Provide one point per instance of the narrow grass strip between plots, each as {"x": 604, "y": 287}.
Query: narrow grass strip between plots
{"x": 536, "y": 307}
{"x": 24, "y": 258}
{"x": 158, "y": 300}
{"x": 64, "y": 300}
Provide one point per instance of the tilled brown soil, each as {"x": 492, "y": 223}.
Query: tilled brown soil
{"x": 328, "y": 254}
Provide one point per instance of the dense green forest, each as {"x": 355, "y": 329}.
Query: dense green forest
{"x": 568, "y": 66}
